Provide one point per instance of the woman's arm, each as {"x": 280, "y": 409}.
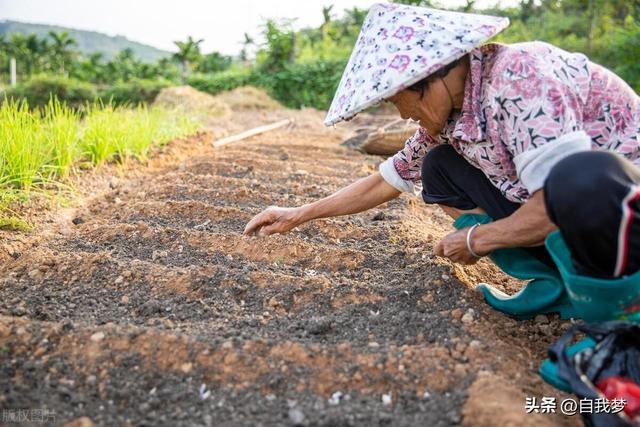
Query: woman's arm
{"x": 528, "y": 226}
{"x": 362, "y": 195}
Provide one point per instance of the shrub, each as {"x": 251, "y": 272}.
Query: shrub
{"x": 311, "y": 84}
{"x": 220, "y": 82}
{"x": 38, "y": 90}
{"x": 134, "y": 92}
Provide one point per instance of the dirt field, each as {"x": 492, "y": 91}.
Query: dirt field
{"x": 144, "y": 305}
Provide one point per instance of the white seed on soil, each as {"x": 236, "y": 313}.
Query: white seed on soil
{"x": 386, "y": 399}
{"x": 125, "y": 299}
{"x": 204, "y": 393}
{"x": 335, "y": 398}
{"x": 426, "y": 395}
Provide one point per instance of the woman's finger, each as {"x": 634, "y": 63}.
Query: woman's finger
{"x": 439, "y": 250}
{"x": 268, "y": 230}
{"x": 256, "y": 223}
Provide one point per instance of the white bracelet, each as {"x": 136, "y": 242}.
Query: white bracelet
{"x": 469, "y": 241}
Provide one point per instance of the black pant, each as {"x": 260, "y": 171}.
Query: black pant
{"x": 584, "y": 196}
{"x": 594, "y": 198}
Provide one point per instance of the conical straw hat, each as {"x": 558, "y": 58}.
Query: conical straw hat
{"x": 399, "y": 45}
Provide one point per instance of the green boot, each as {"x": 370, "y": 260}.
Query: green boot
{"x": 595, "y": 300}
{"x": 544, "y": 293}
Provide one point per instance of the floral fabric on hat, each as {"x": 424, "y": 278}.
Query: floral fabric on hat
{"x": 400, "y": 45}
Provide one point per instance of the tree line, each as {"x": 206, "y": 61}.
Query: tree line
{"x": 311, "y": 60}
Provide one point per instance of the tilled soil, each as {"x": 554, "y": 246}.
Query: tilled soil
{"x": 146, "y": 306}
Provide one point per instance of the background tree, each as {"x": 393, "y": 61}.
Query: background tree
{"x": 278, "y": 49}
{"x": 188, "y": 54}
{"x": 61, "y": 49}
{"x": 248, "y": 41}
{"x": 213, "y": 62}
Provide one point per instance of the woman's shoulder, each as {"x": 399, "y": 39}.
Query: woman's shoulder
{"x": 535, "y": 62}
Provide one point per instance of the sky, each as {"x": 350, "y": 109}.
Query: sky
{"x": 159, "y": 23}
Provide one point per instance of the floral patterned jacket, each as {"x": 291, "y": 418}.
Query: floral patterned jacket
{"x": 526, "y": 107}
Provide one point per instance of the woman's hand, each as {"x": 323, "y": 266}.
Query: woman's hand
{"x": 273, "y": 220}
{"x": 454, "y": 247}
{"x": 363, "y": 194}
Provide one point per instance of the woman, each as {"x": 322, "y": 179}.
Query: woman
{"x": 535, "y": 137}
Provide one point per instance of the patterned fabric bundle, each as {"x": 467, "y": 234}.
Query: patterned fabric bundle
{"x": 400, "y": 45}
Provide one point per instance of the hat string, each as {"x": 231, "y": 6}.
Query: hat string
{"x": 448, "y": 92}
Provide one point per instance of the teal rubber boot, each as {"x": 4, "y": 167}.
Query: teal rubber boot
{"x": 545, "y": 293}
{"x": 595, "y": 300}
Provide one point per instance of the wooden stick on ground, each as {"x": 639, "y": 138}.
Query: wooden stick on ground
{"x": 250, "y": 133}
{"x": 391, "y": 123}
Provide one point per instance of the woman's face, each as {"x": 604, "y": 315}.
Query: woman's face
{"x": 430, "y": 109}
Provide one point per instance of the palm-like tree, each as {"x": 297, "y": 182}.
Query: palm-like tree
{"x": 124, "y": 66}
{"x": 188, "y": 53}
{"x": 61, "y": 47}
{"x": 326, "y": 14}
{"x": 248, "y": 41}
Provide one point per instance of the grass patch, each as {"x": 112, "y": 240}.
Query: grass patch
{"x": 13, "y": 223}
{"x": 39, "y": 149}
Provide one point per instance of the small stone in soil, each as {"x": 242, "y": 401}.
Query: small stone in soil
{"x": 468, "y": 316}
{"x": 541, "y": 318}
{"x": 97, "y": 337}
{"x": 80, "y": 422}
{"x": 296, "y": 416}
{"x": 150, "y": 307}
{"x": 380, "y": 216}
{"x": 318, "y": 325}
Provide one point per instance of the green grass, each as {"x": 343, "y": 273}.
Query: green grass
{"x": 40, "y": 149}
{"x": 12, "y": 223}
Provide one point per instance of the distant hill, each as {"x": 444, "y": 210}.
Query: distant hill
{"x": 88, "y": 41}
